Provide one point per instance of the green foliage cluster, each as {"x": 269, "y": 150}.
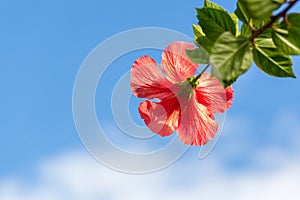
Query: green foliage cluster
{"x": 268, "y": 39}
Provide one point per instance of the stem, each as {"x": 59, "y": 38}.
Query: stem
{"x": 273, "y": 19}
{"x": 199, "y": 75}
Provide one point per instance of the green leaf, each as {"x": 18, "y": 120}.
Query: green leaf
{"x": 198, "y": 55}
{"x": 279, "y": 1}
{"x": 201, "y": 40}
{"x": 273, "y": 62}
{"x": 198, "y": 32}
{"x": 245, "y": 31}
{"x": 214, "y": 22}
{"x": 294, "y": 35}
{"x": 205, "y": 42}
{"x": 264, "y": 42}
{"x": 294, "y": 28}
{"x": 235, "y": 20}
{"x": 228, "y": 83}
{"x": 216, "y": 73}
{"x": 285, "y": 43}
{"x": 241, "y": 13}
{"x": 294, "y": 19}
{"x": 286, "y": 36}
{"x": 232, "y": 56}
{"x": 259, "y": 9}
{"x": 209, "y": 4}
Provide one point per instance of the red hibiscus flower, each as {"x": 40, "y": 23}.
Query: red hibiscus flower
{"x": 187, "y": 102}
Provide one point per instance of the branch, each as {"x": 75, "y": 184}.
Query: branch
{"x": 273, "y": 19}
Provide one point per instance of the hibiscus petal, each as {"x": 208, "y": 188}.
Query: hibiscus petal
{"x": 146, "y": 80}
{"x": 212, "y": 95}
{"x": 229, "y": 96}
{"x": 175, "y": 63}
{"x": 161, "y": 118}
{"x": 197, "y": 126}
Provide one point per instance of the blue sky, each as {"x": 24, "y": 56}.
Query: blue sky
{"x": 43, "y": 44}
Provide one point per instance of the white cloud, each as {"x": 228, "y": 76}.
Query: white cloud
{"x": 77, "y": 176}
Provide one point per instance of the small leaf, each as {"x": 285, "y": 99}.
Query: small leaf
{"x": 241, "y": 13}
{"x": 214, "y": 22}
{"x": 273, "y": 62}
{"x": 198, "y": 32}
{"x": 209, "y": 4}
{"x": 259, "y": 9}
{"x": 285, "y": 43}
{"x": 265, "y": 42}
{"x": 198, "y": 55}
{"x": 232, "y": 56}
{"x": 235, "y": 20}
